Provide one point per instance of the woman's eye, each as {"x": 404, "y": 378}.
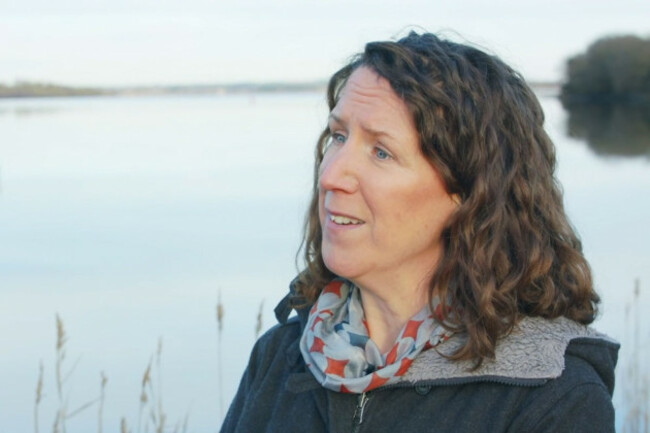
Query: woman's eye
{"x": 338, "y": 138}
{"x": 381, "y": 153}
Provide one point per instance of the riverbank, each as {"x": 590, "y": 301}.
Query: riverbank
{"x": 42, "y": 90}
{"x": 38, "y": 90}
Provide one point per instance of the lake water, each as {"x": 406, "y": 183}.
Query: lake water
{"x": 128, "y": 216}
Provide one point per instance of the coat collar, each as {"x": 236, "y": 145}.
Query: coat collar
{"x": 530, "y": 355}
{"x": 533, "y": 352}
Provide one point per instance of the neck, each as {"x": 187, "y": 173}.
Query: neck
{"x": 387, "y": 315}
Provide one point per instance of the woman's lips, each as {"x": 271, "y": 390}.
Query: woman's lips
{"x": 344, "y": 220}
{"x": 338, "y": 220}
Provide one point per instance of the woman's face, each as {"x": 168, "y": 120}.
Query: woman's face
{"x": 382, "y": 206}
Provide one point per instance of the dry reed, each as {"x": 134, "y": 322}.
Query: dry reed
{"x": 221, "y": 311}
{"x": 151, "y": 396}
{"x": 61, "y": 339}
{"x": 123, "y": 426}
{"x": 160, "y": 417}
{"x": 100, "y": 412}
{"x": 637, "y": 385}
{"x": 39, "y": 395}
{"x": 259, "y": 321}
{"x": 146, "y": 380}
{"x": 151, "y": 413}
{"x": 63, "y": 415}
{"x": 160, "y": 404}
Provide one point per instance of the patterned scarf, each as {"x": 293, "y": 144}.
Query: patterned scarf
{"x": 339, "y": 352}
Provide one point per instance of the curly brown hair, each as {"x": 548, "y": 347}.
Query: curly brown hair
{"x": 509, "y": 249}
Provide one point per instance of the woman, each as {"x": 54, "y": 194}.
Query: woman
{"x": 444, "y": 288}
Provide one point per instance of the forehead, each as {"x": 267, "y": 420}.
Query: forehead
{"x": 366, "y": 81}
{"x": 368, "y": 95}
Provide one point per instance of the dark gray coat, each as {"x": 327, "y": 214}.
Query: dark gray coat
{"x": 548, "y": 376}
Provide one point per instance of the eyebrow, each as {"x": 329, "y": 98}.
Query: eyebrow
{"x": 368, "y": 130}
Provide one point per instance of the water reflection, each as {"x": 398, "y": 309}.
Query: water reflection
{"x": 161, "y": 201}
{"x": 611, "y": 129}
{"x": 24, "y": 111}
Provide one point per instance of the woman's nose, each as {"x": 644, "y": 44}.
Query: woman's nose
{"x": 339, "y": 168}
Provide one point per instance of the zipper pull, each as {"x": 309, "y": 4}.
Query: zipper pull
{"x": 361, "y": 405}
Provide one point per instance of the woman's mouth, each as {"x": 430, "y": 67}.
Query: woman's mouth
{"x": 343, "y": 220}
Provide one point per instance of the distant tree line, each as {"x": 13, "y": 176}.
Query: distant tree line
{"x": 613, "y": 69}
{"x": 30, "y": 89}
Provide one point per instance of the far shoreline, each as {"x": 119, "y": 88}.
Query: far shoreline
{"x": 41, "y": 90}
{"x": 23, "y": 90}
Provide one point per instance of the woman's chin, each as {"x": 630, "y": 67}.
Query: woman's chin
{"x": 344, "y": 269}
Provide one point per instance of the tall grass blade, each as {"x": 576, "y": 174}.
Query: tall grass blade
{"x": 100, "y": 414}
{"x": 259, "y": 321}
{"x": 220, "y": 315}
{"x": 39, "y": 395}
{"x": 637, "y": 386}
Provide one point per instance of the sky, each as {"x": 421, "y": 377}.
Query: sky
{"x": 162, "y": 42}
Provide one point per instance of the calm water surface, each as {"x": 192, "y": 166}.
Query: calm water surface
{"x": 127, "y": 217}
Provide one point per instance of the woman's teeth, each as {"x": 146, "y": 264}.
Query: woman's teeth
{"x": 344, "y": 220}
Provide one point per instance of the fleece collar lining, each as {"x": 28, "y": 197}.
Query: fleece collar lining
{"x": 533, "y": 350}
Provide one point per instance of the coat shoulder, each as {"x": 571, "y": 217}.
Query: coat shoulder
{"x": 274, "y": 345}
